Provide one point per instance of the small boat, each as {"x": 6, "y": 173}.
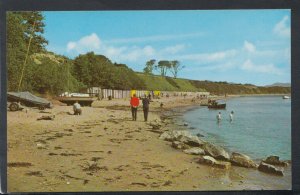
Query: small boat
{"x": 286, "y": 97}
{"x": 216, "y": 105}
{"x": 26, "y": 98}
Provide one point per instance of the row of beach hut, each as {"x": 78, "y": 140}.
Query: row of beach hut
{"x": 121, "y": 94}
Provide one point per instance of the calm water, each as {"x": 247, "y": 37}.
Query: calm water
{"x": 261, "y": 126}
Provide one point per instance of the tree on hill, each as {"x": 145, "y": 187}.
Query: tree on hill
{"x": 175, "y": 67}
{"x": 163, "y": 66}
{"x": 149, "y": 67}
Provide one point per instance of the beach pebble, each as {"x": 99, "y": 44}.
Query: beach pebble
{"x": 39, "y": 145}
{"x": 267, "y": 168}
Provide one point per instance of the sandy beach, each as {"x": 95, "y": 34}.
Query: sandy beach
{"x": 104, "y": 150}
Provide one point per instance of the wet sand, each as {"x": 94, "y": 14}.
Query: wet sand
{"x": 104, "y": 150}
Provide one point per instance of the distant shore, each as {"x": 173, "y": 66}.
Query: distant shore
{"x": 104, "y": 150}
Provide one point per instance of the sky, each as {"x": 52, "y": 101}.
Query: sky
{"x": 240, "y": 46}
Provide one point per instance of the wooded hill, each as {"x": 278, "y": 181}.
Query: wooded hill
{"x": 40, "y": 71}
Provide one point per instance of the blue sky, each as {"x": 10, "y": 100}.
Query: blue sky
{"x": 241, "y": 46}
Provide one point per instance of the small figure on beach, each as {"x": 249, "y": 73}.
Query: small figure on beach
{"x": 134, "y": 102}
{"x": 231, "y": 116}
{"x": 161, "y": 105}
{"x": 219, "y": 117}
{"x": 77, "y": 108}
{"x": 146, "y": 103}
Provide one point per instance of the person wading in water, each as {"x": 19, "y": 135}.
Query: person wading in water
{"x": 134, "y": 102}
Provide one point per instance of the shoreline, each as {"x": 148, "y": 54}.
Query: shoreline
{"x": 104, "y": 150}
{"x": 183, "y": 109}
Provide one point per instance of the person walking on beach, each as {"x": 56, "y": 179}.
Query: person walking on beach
{"x": 146, "y": 103}
{"x": 77, "y": 108}
{"x": 231, "y": 116}
{"x": 219, "y": 117}
{"x": 134, "y": 102}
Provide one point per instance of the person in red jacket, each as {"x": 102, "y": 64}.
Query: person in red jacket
{"x": 134, "y": 102}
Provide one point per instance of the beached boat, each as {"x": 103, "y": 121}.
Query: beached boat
{"x": 25, "y": 98}
{"x": 83, "y": 101}
{"x": 286, "y": 97}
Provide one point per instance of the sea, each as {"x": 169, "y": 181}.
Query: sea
{"x": 261, "y": 126}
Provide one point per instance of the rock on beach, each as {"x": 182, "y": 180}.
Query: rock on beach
{"x": 194, "y": 151}
{"x": 242, "y": 160}
{"x": 191, "y": 140}
{"x": 179, "y": 145}
{"x": 208, "y": 160}
{"x": 267, "y": 168}
{"x": 274, "y": 160}
{"x": 173, "y": 135}
{"x": 216, "y": 151}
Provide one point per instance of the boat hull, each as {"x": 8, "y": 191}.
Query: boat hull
{"x": 218, "y": 106}
{"x": 83, "y": 101}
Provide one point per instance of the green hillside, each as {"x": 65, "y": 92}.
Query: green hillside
{"x": 154, "y": 82}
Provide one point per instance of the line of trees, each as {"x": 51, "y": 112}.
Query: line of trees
{"x": 163, "y": 67}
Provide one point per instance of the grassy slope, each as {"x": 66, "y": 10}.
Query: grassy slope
{"x": 154, "y": 82}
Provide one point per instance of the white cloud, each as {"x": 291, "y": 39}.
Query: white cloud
{"x": 265, "y": 68}
{"x": 282, "y": 28}
{"x": 249, "y": 47}
{"x": 134, "y": 54}
{"x": 240, "y": 58}
{"x": 114, "y": 51}
{"x": 203, "y": 58}
{"x": 71, "y": 46}
{"x": 174, "y": 49}
{"x": 85, "y": 44}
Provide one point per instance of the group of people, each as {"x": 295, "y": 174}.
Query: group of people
{"x": 219, "y": 117}
{"x": 134, "y": 102}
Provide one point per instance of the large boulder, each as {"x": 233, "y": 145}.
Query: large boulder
{"x": 242, "y": 160}
{"x": 267, "y": 168}
{"x": 208, "y": 160}
{"x": 274, "y": 160}
{"x": 173, "y": 135}
{"x": 194, "y": 151}
{"x": 216, "y": 151}
{"x": 179, "y": 145}
{"x": 191, "y": 140}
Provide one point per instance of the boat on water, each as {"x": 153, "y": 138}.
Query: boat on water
{"x": 216, "y": 105}
{"x": 286, "y": 97}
